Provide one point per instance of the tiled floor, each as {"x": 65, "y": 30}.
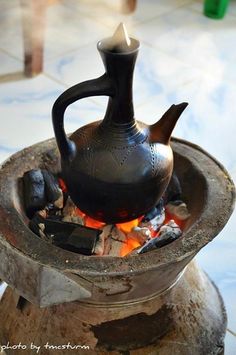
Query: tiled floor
{"x": 184, "y": 57}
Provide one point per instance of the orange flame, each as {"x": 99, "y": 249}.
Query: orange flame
{"x": 130, "y": 245}
{"x": 127, "y": 227}
{"x": 93, "y": 223}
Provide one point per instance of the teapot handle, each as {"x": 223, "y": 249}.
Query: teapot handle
{"x": 95, "y": 87}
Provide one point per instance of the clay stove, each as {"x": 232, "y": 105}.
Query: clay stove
{"x": 157, "y": 302}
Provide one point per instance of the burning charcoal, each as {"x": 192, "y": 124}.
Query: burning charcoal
{"x": 150, "y": 215}
{"x": 34, "y": 191}
{"x": 156, "y": 222}
{"x": 140, "y": 234}
{"x": 117, "y": 234}
{"x": 70, "y": 213}
{"x": 171, "y": 226}
{"x": 53, "y": 191}
{"x": 115, "y": 247}
{"x": 174, "y": 190}
{"x": 82, "y": 240}
{"x": 106, "y": 232}
{"x": 102, "y": 239}
{"x": 158, "y": 242}
{"x": 178, "y": 209}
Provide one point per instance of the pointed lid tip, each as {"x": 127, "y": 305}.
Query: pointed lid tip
{"x": 120, "y": 37}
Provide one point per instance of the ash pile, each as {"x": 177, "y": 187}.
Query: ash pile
{"x": 56, "y": 219}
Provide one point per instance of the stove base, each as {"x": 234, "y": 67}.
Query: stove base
{"x": 188, "y": 318}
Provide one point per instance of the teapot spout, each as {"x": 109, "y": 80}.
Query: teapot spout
{"x": 161, "y": 130}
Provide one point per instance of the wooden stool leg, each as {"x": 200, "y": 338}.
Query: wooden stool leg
{"x": 33, "y": 23}
{"x": 128, "y": 6}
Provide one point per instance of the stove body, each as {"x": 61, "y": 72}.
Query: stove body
{"x": 154, "y": 303}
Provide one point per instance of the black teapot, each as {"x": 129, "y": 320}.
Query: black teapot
{"x": 116, "y": 169}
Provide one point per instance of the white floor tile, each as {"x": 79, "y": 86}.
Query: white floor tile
{"x": 155, "y": 71}
{"x": 111, "y": 12}
{"x": 75, "y": 32}
{"x": 25, "y": 111}
{"x": 192, "y": 37}
{"x": 230, "y": 344}
{"x": 8, "y": 65}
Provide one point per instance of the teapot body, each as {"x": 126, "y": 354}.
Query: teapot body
{"x": 115, "y": 180}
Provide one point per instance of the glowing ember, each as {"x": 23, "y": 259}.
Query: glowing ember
{"x": 128, "y": 226}
{"x": 130, "y": 243}
{"x": 93, "y": 223}
{"x": 62, "y": 185}
{"x": 133, "y": 234}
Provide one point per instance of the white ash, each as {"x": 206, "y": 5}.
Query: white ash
{"x": 100, "y": 245}
{"x": 171, "y": 227}
{"x": 115, "y": 247}
{"x": 117, "y": 238}
{"x": 110, "y": 242}
{"x": 178, "y": 209}
{"x": 42, "y": 228}
{"x": 70, "y": 213}
{"x": 141, "y": 234}
{"x": 73, "y": 219}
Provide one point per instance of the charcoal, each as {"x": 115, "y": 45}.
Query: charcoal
{"x": 106, "y": 235}
{"x": 160, "y": 207}
{"x": 174, "y": 190}
{"x": 69, "y": 236}
{"x": 178, "y": 209}
{"x": 53, "y": 191}
{"x": 82, "y": 240}
{"x": 140, "y": 234}
{"x": 150, "y": 215}
{"x": 158, "y": 242}
{"x": 34, "y": 191}
{"x": 52, "y": 226}
{"x": 53, "y": 214}
{"x": 155, "y": 223}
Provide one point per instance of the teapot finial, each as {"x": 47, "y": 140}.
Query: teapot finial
{"x": 120, "y": 41}
{"x": 161, "y": 131}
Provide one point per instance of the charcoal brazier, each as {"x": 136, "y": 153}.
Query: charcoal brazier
{"x": 154, "y": 303}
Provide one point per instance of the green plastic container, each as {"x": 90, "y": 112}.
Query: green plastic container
{"x": 215, "y": 8}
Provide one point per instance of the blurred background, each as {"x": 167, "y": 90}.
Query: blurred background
{"x": 47, "y": 46}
